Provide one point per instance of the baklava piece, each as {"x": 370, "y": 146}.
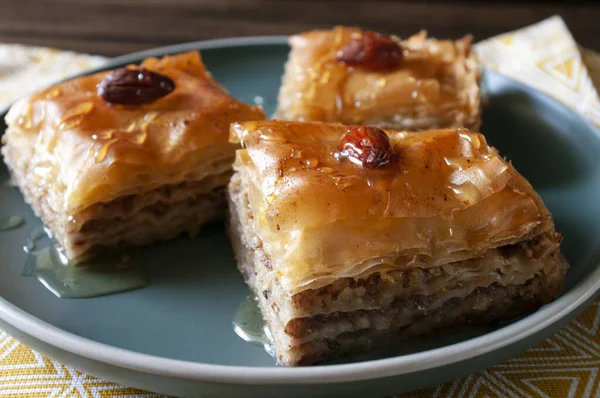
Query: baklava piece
{"x": 351, "y": 76}
{"x": 126, "y": 157}
{"x": 352, "y": 237}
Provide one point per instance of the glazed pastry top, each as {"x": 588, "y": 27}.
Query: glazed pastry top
{"x": 96, "y": 150}
{"x": 331, "y": 200}
{"x": 335, "y": 76}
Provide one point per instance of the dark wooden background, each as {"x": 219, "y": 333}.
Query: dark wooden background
{"x": 113, "y": 27}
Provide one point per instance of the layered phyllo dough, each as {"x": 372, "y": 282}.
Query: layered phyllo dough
{"x": 352, "y": 76}
{"x": 352, "y": 237}
{"x": 125, "y": 157}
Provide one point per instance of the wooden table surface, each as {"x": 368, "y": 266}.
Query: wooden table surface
{"x": 113, "y": 27}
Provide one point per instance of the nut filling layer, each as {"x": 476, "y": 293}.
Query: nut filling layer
{"x": 328, "y": 279}
{"x": 126, "y": 157}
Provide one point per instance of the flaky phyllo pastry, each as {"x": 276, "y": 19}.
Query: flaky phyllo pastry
{"x": 127, "y": 157}
{"x": 357, "y": 77}
{"x": 351, "y": 236}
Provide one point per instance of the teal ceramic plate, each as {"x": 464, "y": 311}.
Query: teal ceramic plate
{"x": 175, "y": 336}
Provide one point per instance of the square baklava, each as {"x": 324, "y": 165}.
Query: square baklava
{"x": 351, "y": 76}
{"x": 354, "y": 237}
{"x": 126, "y": 157}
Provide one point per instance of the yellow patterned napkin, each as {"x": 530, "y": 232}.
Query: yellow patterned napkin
{"x": 25, "y": 69}
{"x": 546, "y": 57}
{"x": 566, "y": 365}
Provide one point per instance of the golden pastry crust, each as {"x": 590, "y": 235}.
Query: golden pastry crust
{"x": 88, "y": 151}
{"x": 356, "y": 313}
{"x": 447, "y": 197}
{"x": 104, "y": 177}
{"x": 435, "y": 86}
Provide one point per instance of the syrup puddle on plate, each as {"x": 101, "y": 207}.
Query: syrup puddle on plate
{"x": 249, "y": 324}
{"x": 11, "y": 222}
{"x": 47, "y": 262}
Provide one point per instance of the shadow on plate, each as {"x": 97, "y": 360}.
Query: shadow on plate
{"x": 534, "y": 135}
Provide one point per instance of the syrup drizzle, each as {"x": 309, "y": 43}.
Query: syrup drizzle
{"x": 46, "y": 261}
{"x": 249, "y": 324}
{"x": 11, "y": 222}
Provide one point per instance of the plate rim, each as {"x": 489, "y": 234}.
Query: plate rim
{"x": 151, "y": 364}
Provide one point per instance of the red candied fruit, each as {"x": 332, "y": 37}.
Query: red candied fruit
{"x": 369, "y": 147}
{"x": 371, "y": 51}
